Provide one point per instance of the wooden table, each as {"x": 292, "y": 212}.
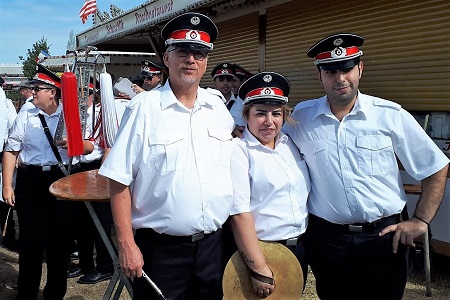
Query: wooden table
{"x": 88, "y": 187}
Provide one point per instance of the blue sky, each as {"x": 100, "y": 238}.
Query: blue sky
{"x": 24, "y": 22}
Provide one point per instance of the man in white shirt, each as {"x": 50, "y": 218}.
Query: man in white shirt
{"x": 7, "y": 116}
{"x": 356, "y": 242}
{"x": 170, "y": 174}
{"x": 26, "y": 95}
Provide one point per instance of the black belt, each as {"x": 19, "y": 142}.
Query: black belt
{"x": 290, "y": 242}
{"x": 357, "y": 227}
{"x": 50, "y": 168}
{"x": 173, "y": 239}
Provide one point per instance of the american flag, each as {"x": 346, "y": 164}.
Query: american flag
{"x": 89, "y": 8}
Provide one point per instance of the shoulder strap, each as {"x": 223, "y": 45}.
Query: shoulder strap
{"x": 52, "y": 145}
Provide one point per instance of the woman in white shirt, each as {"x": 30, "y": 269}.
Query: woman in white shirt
{"x": 270, "y": 179}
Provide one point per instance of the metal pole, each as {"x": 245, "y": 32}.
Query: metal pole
{"x": 426, "y": 259}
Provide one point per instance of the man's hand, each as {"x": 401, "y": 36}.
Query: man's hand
{"x": 405, "y": 232}
{"x": 131, "y": 260}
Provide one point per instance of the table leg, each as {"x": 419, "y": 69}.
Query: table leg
{"x": 118, "y": 274}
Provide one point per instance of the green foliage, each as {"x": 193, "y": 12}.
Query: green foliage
{"x": 29, "y": 65}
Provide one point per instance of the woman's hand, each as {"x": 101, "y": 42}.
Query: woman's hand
{"x": 263, "y": 282}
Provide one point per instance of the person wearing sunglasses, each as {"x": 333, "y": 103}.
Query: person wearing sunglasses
{"x": 151, "y": 74}
{"x": 170, "y": 173}
{"x": 44, "y": 221}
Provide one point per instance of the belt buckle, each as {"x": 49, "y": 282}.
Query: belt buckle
{"x": 46, "y": 168}
{"x": 198, "y": 236}
{"x": 292, "y": 241}
{"x": 355, "y": 228}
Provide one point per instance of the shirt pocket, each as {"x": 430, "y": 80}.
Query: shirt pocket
{"x": 221, "y": 145}
{"x": 317, "y": 158}
{"x": 375, "y": 154}
{"x": 166, "y": 150}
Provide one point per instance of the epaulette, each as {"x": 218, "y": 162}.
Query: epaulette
{"x": 305, "y": 104}
{"x": 216, "y": 93}
{"x": 136, "y": 99}
{"x": 385, "y": 103}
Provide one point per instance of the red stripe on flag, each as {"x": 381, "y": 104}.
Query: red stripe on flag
{"x": 89, "y": 8}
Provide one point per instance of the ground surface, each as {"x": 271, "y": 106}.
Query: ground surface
{"x": 415, "y": 289}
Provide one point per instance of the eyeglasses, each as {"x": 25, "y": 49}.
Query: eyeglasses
{"x": 184, "y": 52}
{"x": 38, "y": 88}
{"x": 147, "y": 77}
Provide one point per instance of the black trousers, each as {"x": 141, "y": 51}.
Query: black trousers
{"x": 182, "y": 270}
{"x": 87, "y": 235}
{"x": 350, "y": 265}
{"x": 44, "y": 225}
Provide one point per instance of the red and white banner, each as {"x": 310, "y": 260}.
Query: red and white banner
{"x": 89, "y": 8}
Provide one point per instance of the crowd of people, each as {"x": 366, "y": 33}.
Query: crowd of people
{"x": 200, "y": 173}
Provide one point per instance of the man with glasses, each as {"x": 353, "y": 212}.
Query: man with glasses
{"x": 151, "y": 74}
{"x": 7, "y": 116}
{"x": 170, "y": 177}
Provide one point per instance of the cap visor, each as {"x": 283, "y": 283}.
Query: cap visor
{"x": 340, "y": 65}
{"x": 190, "y": 45}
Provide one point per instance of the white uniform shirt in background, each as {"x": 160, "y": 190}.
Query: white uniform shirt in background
{"x": 98, "y": 151}
{"x": 271, "y": 184}
{"x": 176, "y": 162}
{"x": 27, "y": 104}
{"x": 27, "y": 136}
{"x": 7, "y": 116}
{"x": 236, "y": 111}
{"x": 352, "y": 163}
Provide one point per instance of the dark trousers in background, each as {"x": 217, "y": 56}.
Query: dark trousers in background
{"x": 44, "y": 226}
{"x": 183, "y": 270}
{"x": 87, "y": 235}
{"x": 349, "y": 265}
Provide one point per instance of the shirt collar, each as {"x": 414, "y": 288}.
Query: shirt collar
{"x": 361, "y": 105}
{"x": 168, "y": 98}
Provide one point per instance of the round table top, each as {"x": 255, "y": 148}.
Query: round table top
{"x": 83, "y": 186}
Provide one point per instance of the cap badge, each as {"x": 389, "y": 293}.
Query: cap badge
{"x": 338, "y": 42}
{"x": 338, "y": 52}
{"x": 267, "y": 91}
{"x": 192, "y": 35}
{"x": 224, "y": 71}
{"x": 225, "y": 65}
{"x": 195, "y": 20}
{"x": 267, "y": 78}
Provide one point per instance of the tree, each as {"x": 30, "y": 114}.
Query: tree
{"x": 29, "y": 65}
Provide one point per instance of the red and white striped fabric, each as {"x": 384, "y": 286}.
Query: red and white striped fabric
{"x": 89, "y": 8}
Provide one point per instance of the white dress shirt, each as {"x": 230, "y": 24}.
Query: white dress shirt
{"x": 352, "y": 163}
{"x": 7, "y": 116}
{"x": 176, "y": 161}
{"x": 98, "y": 151}
{"x": 236, "y": 111}
{"x": 27, "y": 104}
{"x": 272, "y": 184}
{"x": 27, "y": 136}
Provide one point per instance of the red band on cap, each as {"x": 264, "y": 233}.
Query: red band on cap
{"x": 224, "y": 72}
{"x": 265, "y": 91}
{"x": 190, "y": 35}
{"x": 47, "y": 79}
{"x": 348, "y": 51}
{"x": 149, "y": 69}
